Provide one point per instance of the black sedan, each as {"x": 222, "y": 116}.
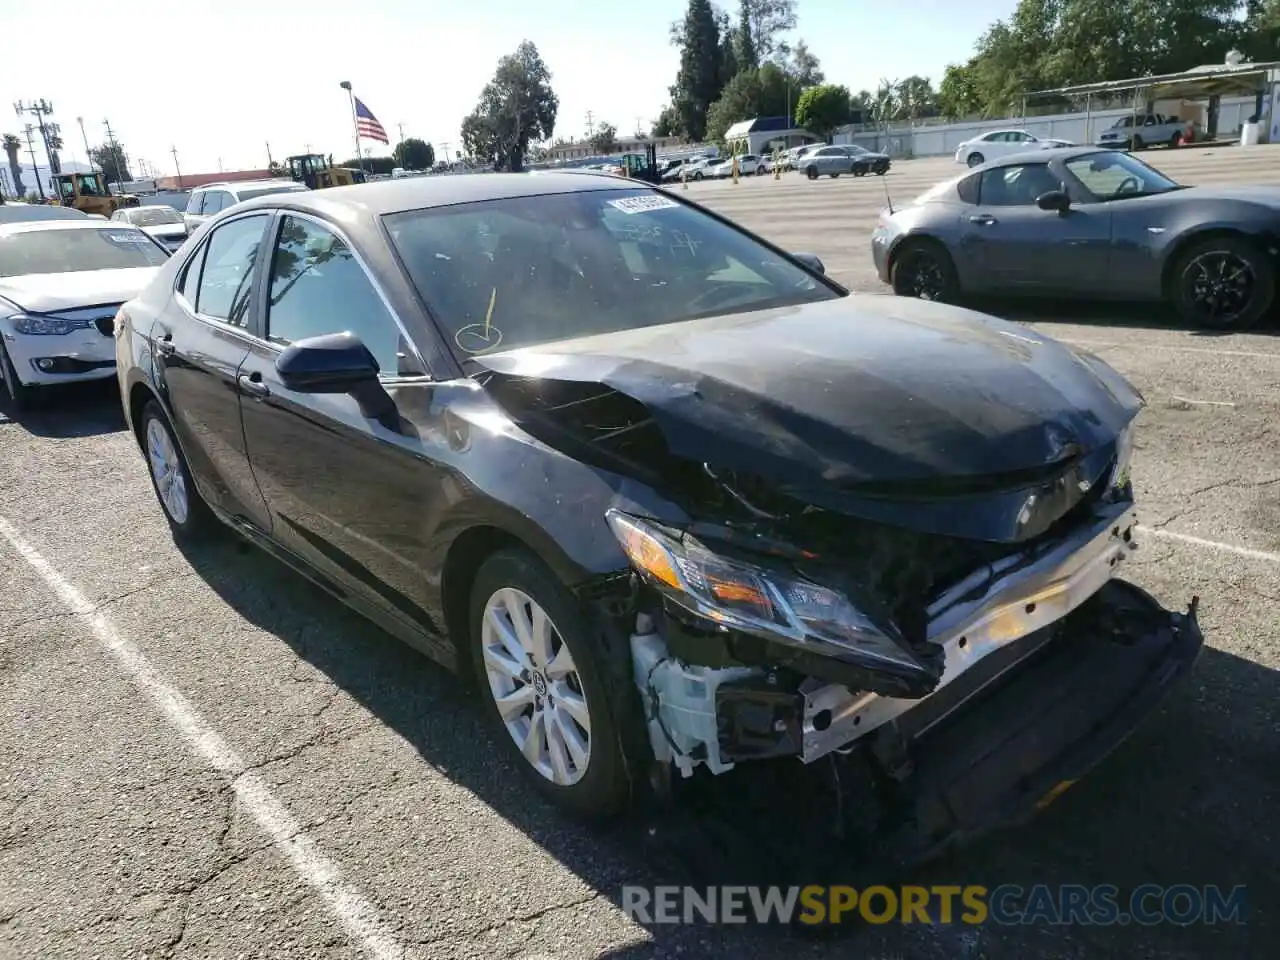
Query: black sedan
{"x": 1087, "y": 222}
{"x": 673, "y": 498}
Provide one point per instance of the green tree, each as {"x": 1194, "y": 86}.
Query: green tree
{"x": 916, "y": 97}
{"x": 516, "y": 107}
{"x": 605, "y": 138}
{"x": 860, "y": 106}
{"x": 667, "y": 124}
{"x": 728, "y": 52}
{"x": 370, "y": 164}
{"x": 745, "y": 45}
{"x": 12, "y": 144}
{"x": 804, "y": 66}
{"x": 755, "y": 93}
{"x": 698, "y": 82}
{"x": 112, "y": 161}
{"x": 823, "y": 108}
{"x": 414, "y": 154}
{"x": 958, "y": 93}
{"x": 769, "y": 20}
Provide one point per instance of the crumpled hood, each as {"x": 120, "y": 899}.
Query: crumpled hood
{"x": 50, "y": 292}
{"x": 865, "y": 393}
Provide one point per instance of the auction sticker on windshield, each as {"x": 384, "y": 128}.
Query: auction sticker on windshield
{"x": 127, "y": 237}
{"x": 643, "y": 204}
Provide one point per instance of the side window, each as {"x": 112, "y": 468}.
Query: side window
{"x": 968, "y": 189}
{"x": 318, "y": 287}
{"x": 193, "y": 202}
{"x": 227, "y": 278}
{"x": 213, "y": 202}
{"x": 191, "y": 276}
{"x": 1016, "y": 186}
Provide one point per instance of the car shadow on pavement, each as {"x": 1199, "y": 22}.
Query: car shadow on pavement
{"x": 1189, "y": 799}
{"x": 74, "y": 410}
{"x": 1089, "y": 313}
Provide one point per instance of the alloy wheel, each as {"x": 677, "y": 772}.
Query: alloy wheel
{"x": 535, "y": 684}
{"x": 1220, "y": 286}
{"x": 922, "y": 277}
{"x": 166, "y": 469}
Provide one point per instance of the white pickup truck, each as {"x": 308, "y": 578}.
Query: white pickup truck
{"x": 1149, "y": 130}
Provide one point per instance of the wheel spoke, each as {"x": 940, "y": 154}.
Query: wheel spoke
{"x": 517, "y": 612}
{"x": 556, "y": 750}
{"x": 573, "y": 704}
{"x": 513, "y": 704}
{"x": 533, "y": 742}
{"x": 561, "y": 664}
{"x": 498, "y": 659}
{"x": 570, "y": 737}
{"x": 505, "y": 634}
{"x": 540, "y": 631}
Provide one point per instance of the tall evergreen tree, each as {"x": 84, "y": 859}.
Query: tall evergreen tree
{"x": 701, "y": 68}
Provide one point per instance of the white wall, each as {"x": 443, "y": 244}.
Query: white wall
{"x": 942, "y": 139}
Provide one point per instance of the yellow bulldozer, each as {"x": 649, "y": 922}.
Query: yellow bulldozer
{"x": 318, "y": 173}
{"x": 88, "y": 193}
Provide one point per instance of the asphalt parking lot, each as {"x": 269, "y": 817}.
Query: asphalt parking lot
{"x": 203, "y": 756}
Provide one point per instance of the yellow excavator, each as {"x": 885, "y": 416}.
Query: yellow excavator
{"x": 88, "y": 193}
{"x": 318, "y": 173}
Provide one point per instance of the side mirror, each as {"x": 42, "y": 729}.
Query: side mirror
{"x": 811, "y": 261}
{"x": 333, "y": 363}
{"x": 1055, "y": 200}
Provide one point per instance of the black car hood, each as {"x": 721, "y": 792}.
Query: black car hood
{"x": 884, "y": 407}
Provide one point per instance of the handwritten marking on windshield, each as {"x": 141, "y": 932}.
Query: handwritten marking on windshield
{"x": 479, "y": 337}
{"x": 685, "y": 242}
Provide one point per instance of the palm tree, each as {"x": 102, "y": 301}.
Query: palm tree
{"x": 11, "y": 146}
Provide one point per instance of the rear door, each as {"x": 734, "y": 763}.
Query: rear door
{"x": 200, "y": 340}
{"x": 350, "y": 493}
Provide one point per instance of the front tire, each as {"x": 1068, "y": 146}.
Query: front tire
{"x": 539, "y": 672}
{"x": 189, "y": 516}
{"x": 976, "y": 160}
{"x": 924, "y": 270}
{"x": 21, "y": 396}
{"x": 811, "y": 173}
{"x": 1222, "y": 283}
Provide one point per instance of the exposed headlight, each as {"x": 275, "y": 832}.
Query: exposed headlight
{"x": 46, "y": 326}
{"x": 1124, "y": 454}
{"x": 747, "y": 598}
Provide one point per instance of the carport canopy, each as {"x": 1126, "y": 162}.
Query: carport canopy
{"x": 1198, "y": 83}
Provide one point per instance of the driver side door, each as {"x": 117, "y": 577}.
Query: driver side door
{"x": 1008, "y": 244}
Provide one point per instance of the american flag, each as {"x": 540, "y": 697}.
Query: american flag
{"x": 367, "y": 124}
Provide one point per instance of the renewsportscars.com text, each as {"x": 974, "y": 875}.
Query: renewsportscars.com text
{"x": 1008, "y": 904}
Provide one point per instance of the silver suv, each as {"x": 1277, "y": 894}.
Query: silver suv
{"x": 211, "y": 199}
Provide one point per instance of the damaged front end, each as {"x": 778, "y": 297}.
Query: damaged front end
{"x": 787, "y": 616}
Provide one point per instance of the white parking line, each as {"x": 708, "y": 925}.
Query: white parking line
{"x": 1249, "y": 552}
{"x": 1255, "y": 354}
{"x": 357, "y": 916}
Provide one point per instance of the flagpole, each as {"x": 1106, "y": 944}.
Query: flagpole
{"x": 355, "y": 122}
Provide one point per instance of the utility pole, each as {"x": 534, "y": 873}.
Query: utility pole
{"x": 445, "y": 147}
{"x": 270, "y": 162}
{"x": 31, "y": 149}
{"x": 85, "y": 137}
{"x": 174, "y": 151}
{"x": 401, "y": 126}
{"x": 591, "y": 124}
{"x": 115, "y": 154}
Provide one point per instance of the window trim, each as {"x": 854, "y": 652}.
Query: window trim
{"x": 1009, "y": 166}
{"x": 263, "y": 327}
{"x": 218, "y": 323}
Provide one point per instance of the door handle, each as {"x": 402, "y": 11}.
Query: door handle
{"x": 251, "y": 384}
{"x": 165, "y": 347}
{"x": 983, "y": 219}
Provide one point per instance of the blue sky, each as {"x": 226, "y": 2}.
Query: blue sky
{"x": 219, "y": 80}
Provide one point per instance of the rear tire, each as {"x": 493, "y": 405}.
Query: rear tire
{"x": 22, "y": 396}
{"x": 189, "y": 516}
{"x": 924, "y": 270}
{"x": 1135, "y": 143}
{"x": 811, "y": 173}
{"x": 1176, "y": 140}
{"x": 511, "y": 584}
{"x": 1222, "y": 283}
{"x": 976, "y": 160}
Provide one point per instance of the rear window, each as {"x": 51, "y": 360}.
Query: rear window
{"x": 77, "y": 251}
{"x": 263, "y": 191}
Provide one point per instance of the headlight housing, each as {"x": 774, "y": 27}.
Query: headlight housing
{"x": 46, "y": 326}
{"x": 751, "y": 599}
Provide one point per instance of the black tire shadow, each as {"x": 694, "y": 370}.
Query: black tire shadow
{"x": 86, "y": 409}
{"x": 1189, "y": 799}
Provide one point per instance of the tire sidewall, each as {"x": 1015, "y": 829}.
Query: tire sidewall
{"x": 603, "y": 789}
{"x": 197, "y": 513}
{"x": 976, "y": 159}
{"x": 20, "y": 395}
{"x": 932, "y": 250}
{"x": 1264, "y": 275}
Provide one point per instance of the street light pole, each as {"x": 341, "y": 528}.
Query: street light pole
{"x": 355, "y": 122}
{"x": 115, "y": 155}
{"x": 31, "y": 149}
{"x": 85, "y": 137}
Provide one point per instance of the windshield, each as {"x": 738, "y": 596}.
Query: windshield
{"x": 153, "y": 216}
{"x": 73, "y": 251}
{"x": 504, "y": 274}
{"x": 263, "y": 191}
{"x": 946, "y": 189}
{"x": 1111, "y": 176}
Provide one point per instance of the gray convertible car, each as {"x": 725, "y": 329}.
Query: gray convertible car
{"x": 1085, "y": 222}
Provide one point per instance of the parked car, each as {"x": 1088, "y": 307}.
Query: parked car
{"x": 842, "y": 158}
{"x": 61, "y": 282}
{"x": 749, "y": 164}
{"x": 1086, "y": 221}
{"x": 213, "y": 198}
{"x": 790, "y": 156}
{"x": 996, "y": 144}
{"x": 698, "y": 169}
{"x": 1148, "y": 130}
{"x": 160, "y": 221}
{"x": 667, "y": 524}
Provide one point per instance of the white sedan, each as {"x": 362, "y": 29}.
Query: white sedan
{"x": 61, "y": 283}
{"x": 1000, "y": 143}
{"x": 748, "y": 164}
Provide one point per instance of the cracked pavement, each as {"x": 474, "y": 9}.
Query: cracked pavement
{"x": 117, "y": 841}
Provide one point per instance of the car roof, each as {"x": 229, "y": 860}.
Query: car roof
{"x": 37, "y": 212}
{"x": 234, "y": 185}
{"x": 1044, "y": 155}
{"x": 419, "y": 193}
{"x": 39, "y": 226}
